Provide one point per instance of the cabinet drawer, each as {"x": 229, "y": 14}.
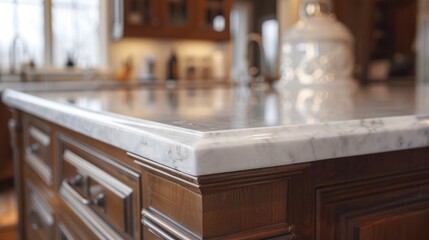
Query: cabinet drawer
{"x": 71, "y": 228}
{"x": 102, "y": 188}
{"x": 37, "y": 145}
{"x": 39, "y": 220}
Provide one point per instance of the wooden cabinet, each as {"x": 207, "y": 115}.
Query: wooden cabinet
{"x": 97, "y": 191}
{"x": 381, "y": 29}
{"x": 39, "y": 214}
{"x": 390, "y": 207}
{"x": 71, "y": 187}
{"x": 38, "y": 149}
{"x": 105, "y": 192}
{"x": 189, "y": 19}
{"x": 6, "y": 158}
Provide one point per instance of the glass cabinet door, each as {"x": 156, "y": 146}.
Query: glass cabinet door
{"x": 193, "y": 19}
{"x": 180, "y": 13}
{"x": 213, "y": 18}
{"x": 214, "y": 15}
{"x": 144, "y": 12}
{"x": 177, "y": 12}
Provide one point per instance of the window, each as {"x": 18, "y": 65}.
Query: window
{"x": 75, "y": 26}
{"x": 22, "y": 22}
{"x": 75, "y": 30}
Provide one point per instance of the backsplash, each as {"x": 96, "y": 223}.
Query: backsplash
{"x": 198, "y": 52}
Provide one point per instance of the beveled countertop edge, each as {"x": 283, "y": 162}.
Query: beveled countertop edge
{"x": 202, "y": 153}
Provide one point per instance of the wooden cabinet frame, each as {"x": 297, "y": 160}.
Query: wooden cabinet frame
{"x": 160, "y": 27}
{"x": 368, "y": 197}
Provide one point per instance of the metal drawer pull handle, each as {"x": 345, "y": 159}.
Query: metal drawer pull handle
{"x": 99, "y": 200}
{"x": 13, "y": 126}
{"x": 35, "y": 221}
{"x": 77, "y": 181}
{"x": 33, "y": 148}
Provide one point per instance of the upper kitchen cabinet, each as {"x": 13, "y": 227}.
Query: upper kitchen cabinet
{"x": 191, "y": 19}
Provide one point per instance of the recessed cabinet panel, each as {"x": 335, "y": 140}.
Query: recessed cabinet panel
{"x": 178, "y": 13}
{"x": 39, "y": 219}
{"x": 144, "y": 13}
{"x": 394, "y": 207}
{"x": 69, "y": 227}
{"x": 102, "y": 197}
{"x": 37, "y": 146}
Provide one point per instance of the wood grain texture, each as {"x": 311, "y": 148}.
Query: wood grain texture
{"x": 158, "y": 26}
{"x": 379, "y": 196}
{"x": 241, "y": 205}
{"x": 6, "y": 160}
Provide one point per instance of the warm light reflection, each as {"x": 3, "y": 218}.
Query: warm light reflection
{"x": 222, "y": 108}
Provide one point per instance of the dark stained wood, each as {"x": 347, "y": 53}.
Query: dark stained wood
{"x": 16, "y": 139}
{"x": 39, "y": 215}
{"x": 248, "y": 204}
{"x": 163, "y": 197}
{"x": 371, "y": 197}
{"x": 6, "y": 160}
{"x": 406, "y": 225}
{"x": 346, "y": 210}
{"x": 70, "y": 225}
{"x": 117, "y": 186}
{"x": 399, "y": 24}
{"x": 38, "y": 148}
{"x": 159, "y": 26}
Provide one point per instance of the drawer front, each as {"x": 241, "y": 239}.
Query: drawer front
{"x": 108, "y": 198}
{"x": 39, "y": 220}
{"x": 71, "y": 228}
{"x": 37, "y": 145}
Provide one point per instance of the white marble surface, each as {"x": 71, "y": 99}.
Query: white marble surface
{"x": 62, "y": 85}
{"x": 215, "y": 129}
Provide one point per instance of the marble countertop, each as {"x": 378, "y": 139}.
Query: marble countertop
{"x": 65, "y": 85}
{"x": 212, "y": 129}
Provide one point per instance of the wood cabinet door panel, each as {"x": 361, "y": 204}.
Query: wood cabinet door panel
{"x": 37, "y": 147}
{"x": 70, "y": 227}
{"x": 374, "y": 209}
{"x": 39, "y": 222}
{"x": 6, "y": 158}
{"x": 174, "y": 19}
{"x": 107, "y": 195}
{"x": 403, "y": 226}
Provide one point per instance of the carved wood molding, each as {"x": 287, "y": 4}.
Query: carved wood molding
{"x": 348, "y": 210}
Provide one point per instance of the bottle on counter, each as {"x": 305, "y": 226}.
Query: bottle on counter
{"x": 70, "y": 63}
{"x": 125, "y": 71}
{"x": 191, "y": 69}
{"x": 147, "y": 69}
{"x": 172, "y": 67}
{"x": 206, "y": 68}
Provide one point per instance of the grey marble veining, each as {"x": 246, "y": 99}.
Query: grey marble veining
{"x": 213, "y": 129}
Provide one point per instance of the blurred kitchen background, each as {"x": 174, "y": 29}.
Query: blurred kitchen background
{"x": 155, "y": 40}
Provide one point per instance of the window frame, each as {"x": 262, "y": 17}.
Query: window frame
{"x": 49, "y": 38}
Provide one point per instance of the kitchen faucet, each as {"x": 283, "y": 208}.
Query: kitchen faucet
{"x": 15, "y": 59}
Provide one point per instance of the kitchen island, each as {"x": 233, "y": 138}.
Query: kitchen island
{"x": 215, "y": 162}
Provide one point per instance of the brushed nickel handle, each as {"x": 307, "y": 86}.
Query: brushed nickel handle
{"x": 291, "y": 230}
{"x": 35, "y": 221}
{"x": 77, "y": 181}
{"x": 99, "y": 201}
{"x": 14, "y": 126}
{"x": 34, "y": 148}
